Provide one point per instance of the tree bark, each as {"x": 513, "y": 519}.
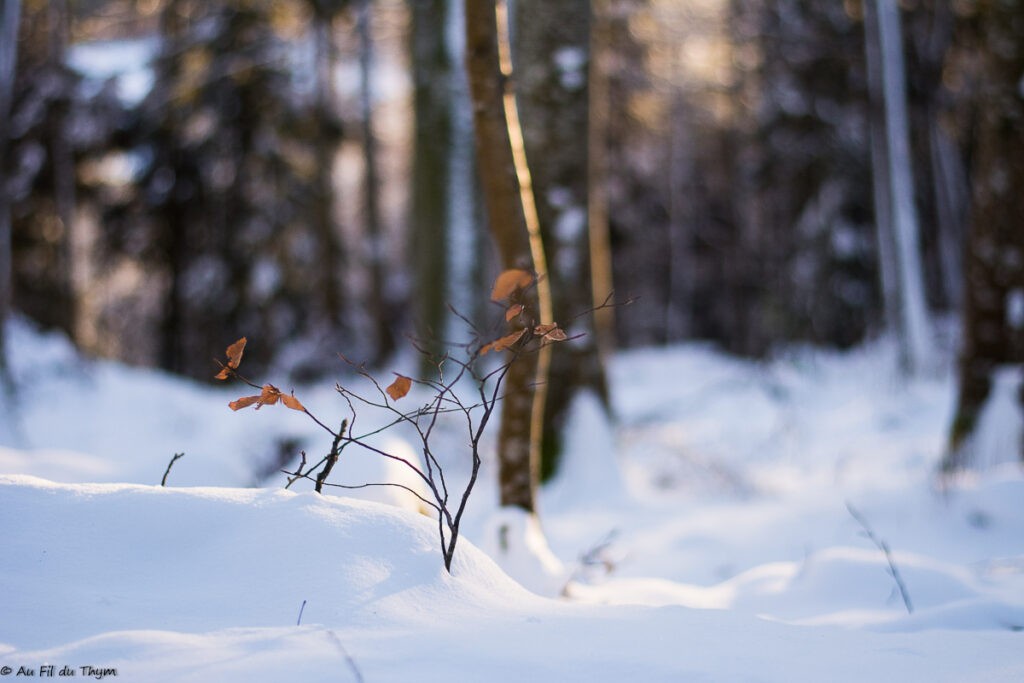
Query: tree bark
{"x": 993, "y": 317}
{"x": 513, "y": 221}
{"x": 333, "y": 258}
{"x": 380, "y": 310}
{"x": 552, "y": 59}
{"x": 599, "y": 230}
{"x": 63, "y": 165}
{"x": 431, "y": 209}
{"x": 9, "y": 21}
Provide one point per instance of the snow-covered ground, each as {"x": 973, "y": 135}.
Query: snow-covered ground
{"x": 718, "y": 533}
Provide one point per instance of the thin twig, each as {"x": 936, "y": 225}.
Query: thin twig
{"x": 302, "y": 475}
{"x": 348, "y": 658}
{"x": 302, "y": 609}
{"x": 884, "y": 547}
{"x": 298, "y": 470}
{"x": 332, "y": 458}
{"x": 177, "y": 456}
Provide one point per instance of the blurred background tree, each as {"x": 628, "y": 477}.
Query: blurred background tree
{"x": 180, "y": 172}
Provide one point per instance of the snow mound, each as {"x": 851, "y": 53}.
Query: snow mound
{"x": 93, "y": 558}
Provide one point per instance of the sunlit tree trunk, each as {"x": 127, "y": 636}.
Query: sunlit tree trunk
{"x": 993, "y": 318}
{"x": 513, "y": 222}
{"x": 551, "y": 53}
{"x": 599, "y": 232}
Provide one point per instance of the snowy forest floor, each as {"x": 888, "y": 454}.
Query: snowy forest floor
{"x": 717, "y": 533}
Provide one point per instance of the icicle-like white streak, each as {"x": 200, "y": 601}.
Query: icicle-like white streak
{"x": 913, "y": 309}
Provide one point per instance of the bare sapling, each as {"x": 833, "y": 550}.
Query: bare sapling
{"x": 444, "y": 392}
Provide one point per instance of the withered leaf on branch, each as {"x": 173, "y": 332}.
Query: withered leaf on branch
{"x": 509, "y": 281}
{"x": 268, "y": 397}
{"x": 234, "y": 354}
{"x": 399, "y": 388}
{"x": 243, "y": 402}
{"x": 513, "y": 311}
{"x": 290, "y": 401}
{"x": 505, "y": 342}
{"x": 550, "y": 332}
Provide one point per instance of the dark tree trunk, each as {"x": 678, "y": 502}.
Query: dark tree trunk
{"x": 432, "y": 79}
{"x": 552, "y": 60}
{"x": 9, "y": 21}
{"x": 331, "y": 264}
{"x": 993, "y": 322}
{"x": 63, "y": 165}
{"x": 380, "y": 310}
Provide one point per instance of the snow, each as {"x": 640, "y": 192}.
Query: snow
{"x": 1000, "y": 431}
{"x": 571, "y": 63}
{"x": 127, "y": 61}
{"x": 707, "y": 536}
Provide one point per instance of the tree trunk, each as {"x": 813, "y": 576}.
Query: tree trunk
{"x": 993, "y": 318}
{"x": 914, "y": 330}
{"x": 331, "y": 263}
{"x": 513, "y": 221}
{"x": 551, "y": 56}
{"x": 380, "y": 309}
{"x": 9, "y": 21}
{"x": 886, "y": 247}
{"x": 432, "y": 78}
{"x": 63, "y": 165}
{"x": 601, "y": 283}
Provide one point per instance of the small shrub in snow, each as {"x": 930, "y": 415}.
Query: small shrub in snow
{"x": 443, "y": 398}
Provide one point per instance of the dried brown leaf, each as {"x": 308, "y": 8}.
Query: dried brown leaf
{"x": 504, "y": 343}
{"x": 513, "y": 311}
{"x": 556, "y": 335}
{"x": 400, "y": 387}
{"x": 270, "y": 395}
{"x": 244, "y": 402}
{"x": 225, "y": 372}
{"x": 291, "y": 402}
{"x": 550, "y": 332}
{"x": 234, "y": 353}
{"x": 509, "y": 281}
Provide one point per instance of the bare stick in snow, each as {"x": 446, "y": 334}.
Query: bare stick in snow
{"x": 177, "y": 456}
{"x": 348, "y": 658}
{"x": 884, "y": 547}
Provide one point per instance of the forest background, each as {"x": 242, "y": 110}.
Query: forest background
{"x": 755, "y": 174}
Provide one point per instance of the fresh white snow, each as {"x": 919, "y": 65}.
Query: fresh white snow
{"x": 705, "y": 537}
